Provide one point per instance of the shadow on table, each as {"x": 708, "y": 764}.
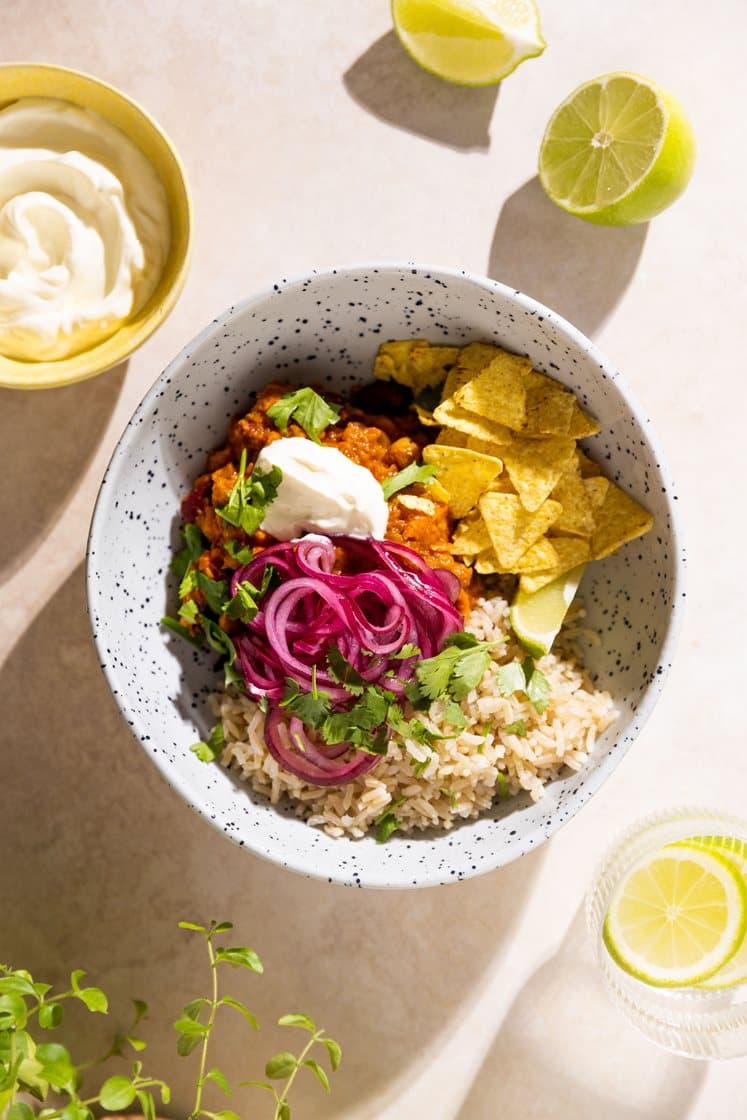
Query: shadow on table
{"x": 578, "y": 269}
{"x": 565, "y": 1050}
{"x": 386, "y": 82}
{"x": 102, "y": 859}
{"x": 48, "y": 437}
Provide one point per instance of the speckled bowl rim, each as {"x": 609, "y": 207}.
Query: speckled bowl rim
{"x": 118, "y": 347}
{"x": 596, "y": 776}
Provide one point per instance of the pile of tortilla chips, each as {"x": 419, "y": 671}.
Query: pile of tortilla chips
{"x": 527, "y": 500}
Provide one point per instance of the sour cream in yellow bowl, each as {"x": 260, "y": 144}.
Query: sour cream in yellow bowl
{"x": 94, "y": 226}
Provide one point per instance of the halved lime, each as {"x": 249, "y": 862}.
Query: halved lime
{"x": 677, "y": 916}
{"x": 537, "y": 617}
{"x": 735, "y": 970}
{"x": 617, "y": 151}
{"x": 470, "y": 42}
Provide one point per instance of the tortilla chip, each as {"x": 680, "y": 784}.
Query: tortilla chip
{"x": 414, "y": 363}
{"x": 486, "y": 563}
{"x": 471, "y": 537}
{"x": 502, "y": 485}
{"x": 425, "y": 416}
{"x": 619, "y": 519}
{"x": 570, "y": 552}
{"x": 415, "y": 502}
{"x": 499, "y": 392}
{"x": 582, "y": 425}
{"x": 450, "y": 437}
{"x": 464, "y": 474}
{"x": 587, "y": 466}
{"x": 548, "y": 406}
{"x": 512, "y": 528}
{"x": 487, "y": 447}
{"x": 577, "y": 518}
{"x": 436, "y": 492}
{"x": 535, "y": 466}
{"x": 534, "y": 559}
{"x": 596, "y": 489}
{"x": 452, "y": 415}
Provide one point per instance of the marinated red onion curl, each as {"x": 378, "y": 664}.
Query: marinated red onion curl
{"x": 385, "y": 597}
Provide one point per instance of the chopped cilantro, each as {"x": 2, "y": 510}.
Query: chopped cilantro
{"x": 243, "y": 606}
{"x": 518, "y": 727}
{"x": 312, "y": 708}
{"x": 511, "y": 679}
{"x": 250, "y": 496}
{"x": 456, "y": 670}
{"x": 307, "y": 409}
{"x": 189, "y": 612}
{"x": 451, "y": 796}
{"x": 502, "y": 785}
{"x": 193, "y": 547}
{"x": 416, "y": 472}
{"x": 538, "y": 687}
{"x": 344, "y": 673}
{"x": 454, "y": 715}
{"x": 214, "y": 590}
{"x": 218, "y": 639}
{"x": 242, "y": 554}
{"x": 233, "y": 676}
{"x": 408, "y": 650}
{"x": 419, "y": 767}
{"x": 387, "y": 822}
{"x": 175, "y": 626}
{"x": 209, "y": 751}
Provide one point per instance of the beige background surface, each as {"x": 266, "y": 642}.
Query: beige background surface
{"x": 310, "y": 139}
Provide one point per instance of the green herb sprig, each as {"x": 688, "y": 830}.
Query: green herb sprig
{"x": 307, "y": 409}
{"x": 250, "y": 496}
{"x": 415, "y": 472}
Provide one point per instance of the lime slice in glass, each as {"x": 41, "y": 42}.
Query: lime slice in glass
{"x": 617, "y": 151}
{"x": 677, "y": 916}
{"x": 536, "y": 617}
{"x": 735, "y": 970}
{"x": 470, "y": 42}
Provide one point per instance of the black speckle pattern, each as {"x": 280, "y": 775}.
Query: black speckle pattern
{"x": 327, "y": 328}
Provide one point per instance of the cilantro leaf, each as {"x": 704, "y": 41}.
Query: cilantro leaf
{"x": 537, "y": 687}
{"x": 175, "y": 626}
{"x": 503, "y": 785}
{"x": 214, "y": 590}
{"x": 243, "y": 606}
{"x": 188, "y": 583}
{"x": 250, "y": 496}
{"x": 242, "y": 554}
{"x": 387, "y": 822}
{"x": 218, "y": 639}
{"x": 312, "y": 708}
{"x": 416, "y": 472}
{"x": 456, "y": 670}
{"x": 307, "y": 409}
{"x": 189, "y": 612}
{"x": 209, "y": 751}
{"x": 511, "y": 679}
{"x": 408, "y": 650}
{"x": 518, "y": 727}
{"x": 193, "y": 542}
{"x": 344, "y": 673}
{"x": 454, "y": 715}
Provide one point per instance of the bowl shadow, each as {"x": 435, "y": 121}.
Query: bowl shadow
{"x": 49, "y": 436}
{"x": 578, "y": 269}
{"x": 564, "y": 1046}
{"x": 113, "y": 859}
{"x": 388, "y": 84}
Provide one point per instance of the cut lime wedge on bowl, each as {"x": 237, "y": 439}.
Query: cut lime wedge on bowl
{"x": 617, "y": 151}
{"x": 469, "y": 42}
{"x": 536, "y": 617}
{"x": 735, "y": 970}
{"x": 677, "y": 916}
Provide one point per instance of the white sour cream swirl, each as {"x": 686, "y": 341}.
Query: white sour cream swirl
{"x": 84, "y": 229}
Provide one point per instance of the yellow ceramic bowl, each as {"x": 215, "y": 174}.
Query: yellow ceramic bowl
{"x": 32, "y": 80}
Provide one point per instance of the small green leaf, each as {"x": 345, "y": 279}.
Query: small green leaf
{"x": 192, "y": 925}
{"x": 538, "y": 687}
{"x": 318, "y": 1072}
{"x": 19, "y": 1111}
{"x": 240, "y": 957}
{"x": 307, "y": 409}
{"x": 282, "y": 1111}
{"x": 189, "y": 612}
{"x": 237, "y": 1005}
{"x": 191, "y": 1026}
{"x": 147, "y": 1104}
{"x": 50, "y": 1015}
{"x": 281, "y": 1066}
{"x": 56, "y": 1065}
{"x": 193, "y": 1009}
{"x": 209, "y": 751}
{"x": 220, "y": 1079}
{"x": 21, "y": 985}
{"x": 75, "y": 1110}
{"x": 226, "y": 1114}
{"x": 502, "y": 785}
{"x": 388, "y": 824}
{"x": 518, "y": 727}
{"x": 141, "y": 1010}
{"x": 297, "y": 1021}
{"x": 510, "y": 679}
{"x": 176, "y": 627}
{"x": 416, "y": 472}
{"x": 137, "y": 1044}
{"x": 335, "y": 1053}
{"x": 13, "y": 1012}
{"x": 222, "y": 927}
{"x": 116, "y": 1093}
{"x": 186, "y": 1043}
{"x": 94, "y": 999}
{"x": 259, "y": 1085}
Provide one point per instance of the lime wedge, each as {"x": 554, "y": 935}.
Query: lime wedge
{"x": 677, "y": 916}
{"x": 617, "y": 151}
{"x": 470, "y": 42}
{"x": 536, "y": 617}
{"x": 735, "y": 970}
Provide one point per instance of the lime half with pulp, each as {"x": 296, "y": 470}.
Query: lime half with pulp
{"x": 617, "y": 151}
{"x": 470, "y": 42}
{"x": 677, "y": 916}
{"x": 536, "y": 617}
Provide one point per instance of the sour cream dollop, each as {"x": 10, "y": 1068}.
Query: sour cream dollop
{"x": 321, "y": 491}
{"x": 84, "y": 229}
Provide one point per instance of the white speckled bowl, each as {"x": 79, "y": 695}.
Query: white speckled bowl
{"x": 326, "y": 328}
